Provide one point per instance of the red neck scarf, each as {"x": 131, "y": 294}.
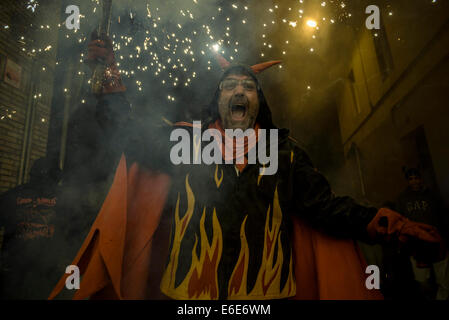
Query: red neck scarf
{"x": 237, "y": 152}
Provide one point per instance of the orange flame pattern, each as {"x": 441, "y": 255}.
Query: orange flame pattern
{"x": 269, "y": 277}
{"x": 261, "y": 174}
{"x": 218, "y": 181}
{"x": 237, "y": 282}
{"x": 203, "y": 283}
{"x": 201, "y": 280}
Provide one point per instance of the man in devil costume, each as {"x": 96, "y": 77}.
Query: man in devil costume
{"x": 224, "y": 231}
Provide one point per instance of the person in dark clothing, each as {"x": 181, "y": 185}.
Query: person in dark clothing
{"x": 232, "y": 225}
{"x": 398, "y": 278}
{"x": 419, "y": 203}
{"x": 28, "y": 218}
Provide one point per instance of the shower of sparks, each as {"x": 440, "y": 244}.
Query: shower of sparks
{"x": 175, "y": 46}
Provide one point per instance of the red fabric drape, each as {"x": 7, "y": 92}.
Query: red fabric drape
{"x": 240, "y": 147}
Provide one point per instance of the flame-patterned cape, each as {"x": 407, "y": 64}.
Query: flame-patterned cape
{"x": 122, "y": 254}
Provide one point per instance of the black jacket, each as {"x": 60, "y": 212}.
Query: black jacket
{"x": 219, "y": 206}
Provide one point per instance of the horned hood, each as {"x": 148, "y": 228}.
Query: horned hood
{"x": 264, "y": 117}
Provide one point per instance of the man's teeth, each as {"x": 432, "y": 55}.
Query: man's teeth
{"x": 238, "y": 111}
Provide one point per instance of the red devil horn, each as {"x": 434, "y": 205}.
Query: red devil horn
{"x": 258, "y": 68}
{"x": 222, "y": 61}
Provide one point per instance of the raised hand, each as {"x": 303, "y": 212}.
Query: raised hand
{"x": 100, "y": 51}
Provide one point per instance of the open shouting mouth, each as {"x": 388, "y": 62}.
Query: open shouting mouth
{"x": 238, "y": 111}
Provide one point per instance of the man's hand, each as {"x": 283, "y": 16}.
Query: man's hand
{"x": 100, "y": 51}
{"x": 389, "y": 225}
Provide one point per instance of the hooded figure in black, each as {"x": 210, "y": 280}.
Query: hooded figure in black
{"x": 264, "y": 118}
{"x": 230, "y": 213}
{"x": 238, "y": 241}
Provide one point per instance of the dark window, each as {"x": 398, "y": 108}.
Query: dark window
{"x": 354, "y": 92}
{"x": 383, "y": 51}
{"x": 355, "y": 173}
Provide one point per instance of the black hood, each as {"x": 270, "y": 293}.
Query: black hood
{"x": 210, "y": 113}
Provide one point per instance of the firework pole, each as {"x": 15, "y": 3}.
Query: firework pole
{"x": 103, "y": 28}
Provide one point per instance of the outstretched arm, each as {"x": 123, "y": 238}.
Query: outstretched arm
{"x": 342, "y": 216}
{"x": 316, "y": 203}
